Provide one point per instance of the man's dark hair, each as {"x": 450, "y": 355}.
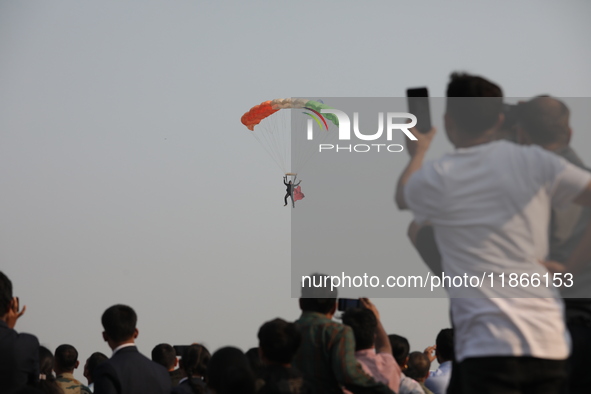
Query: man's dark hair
{"x": 317, "y": 294}
{"x": 545, "y": 119}
{"x": 66, "y": 357}
{"x": 5, "y": 293}
{"x": 279, "y": 340}
{"x": 165, "y": 355}
{"x": 254, "y": 360}
{"x": 418, "y": 366}
{"x": 473, "y": 102}
{"x": 229, "y": 372}
{"x": 94, "y": 361}
{"x": 319, "y": 305}
{"x": 400, "y": 348}
{"x": 445, "y": 344}
{"x": 364, "y": 325}
{"x": 119, "y": 322}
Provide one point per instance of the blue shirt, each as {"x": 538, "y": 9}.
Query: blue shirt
{"x": 438, "y": 380}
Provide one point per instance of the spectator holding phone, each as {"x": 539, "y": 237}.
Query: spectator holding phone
{"x": 19, "y": 353}
{"x": 372, "y": 347}
{"x": 489, "y": 203}
{"x": 326, "y": 356}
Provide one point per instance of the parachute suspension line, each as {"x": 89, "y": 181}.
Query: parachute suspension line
{"x": 304, "y": 148}
{"x": 264, "y": 145}
{"x": 287, "y": 148}
{"x": 280, "y": 138}
{"x": 263, "y": 139}
{"x": 309, "y": 153}
{"x": 277, "y": 137}
{"x": 295, "y": 144}
{"x": 270, "y": 129}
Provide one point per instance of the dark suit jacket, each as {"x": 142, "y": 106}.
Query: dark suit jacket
{"x": 184, "y": 387}
{"x": 176, "y": 376}
{"x": 19, "y": 359}
{"x": 130, "y": 372}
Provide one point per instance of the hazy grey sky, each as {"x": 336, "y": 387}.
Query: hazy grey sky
{"x": 127, "y": 176}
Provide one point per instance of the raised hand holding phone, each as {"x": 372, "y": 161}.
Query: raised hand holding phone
{"x": 367, "y": 304}
{"x": 430, "y": 352}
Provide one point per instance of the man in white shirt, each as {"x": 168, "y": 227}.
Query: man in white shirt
{"x": 489, "y": 203}
{"x": 438, "y": 380}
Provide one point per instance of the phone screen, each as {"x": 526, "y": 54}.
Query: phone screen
{"x": 348, "y": 303}
{"x": 418, "y": 105}
{"x": 180, "y": 349}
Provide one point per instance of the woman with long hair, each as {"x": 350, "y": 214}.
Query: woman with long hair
{"x": 194, "y": 363}
{"x": 47, "y": 382}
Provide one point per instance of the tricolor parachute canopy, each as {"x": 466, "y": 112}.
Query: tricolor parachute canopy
{"x": 267, "y": 108}
{"x": 280, "y": 126}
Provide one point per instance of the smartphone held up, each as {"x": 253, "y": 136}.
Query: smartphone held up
{"x": 348, "y": 303}
{"x": 418, "y": 105}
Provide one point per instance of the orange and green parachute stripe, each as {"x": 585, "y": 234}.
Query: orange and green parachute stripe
{"x": 259, "y": 112}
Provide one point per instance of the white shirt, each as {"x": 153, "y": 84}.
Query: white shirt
{"x": 490, "y": 209}
{"x": 438, "y": 380}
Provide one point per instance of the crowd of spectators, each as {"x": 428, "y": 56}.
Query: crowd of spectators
{"x": 315, "y": 354}
{"x": 490, "y": 205}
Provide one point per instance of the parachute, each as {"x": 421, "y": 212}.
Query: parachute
{"x": 280, "y": 126}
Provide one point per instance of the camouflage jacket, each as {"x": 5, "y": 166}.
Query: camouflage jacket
{"x": 70, "y": 385}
